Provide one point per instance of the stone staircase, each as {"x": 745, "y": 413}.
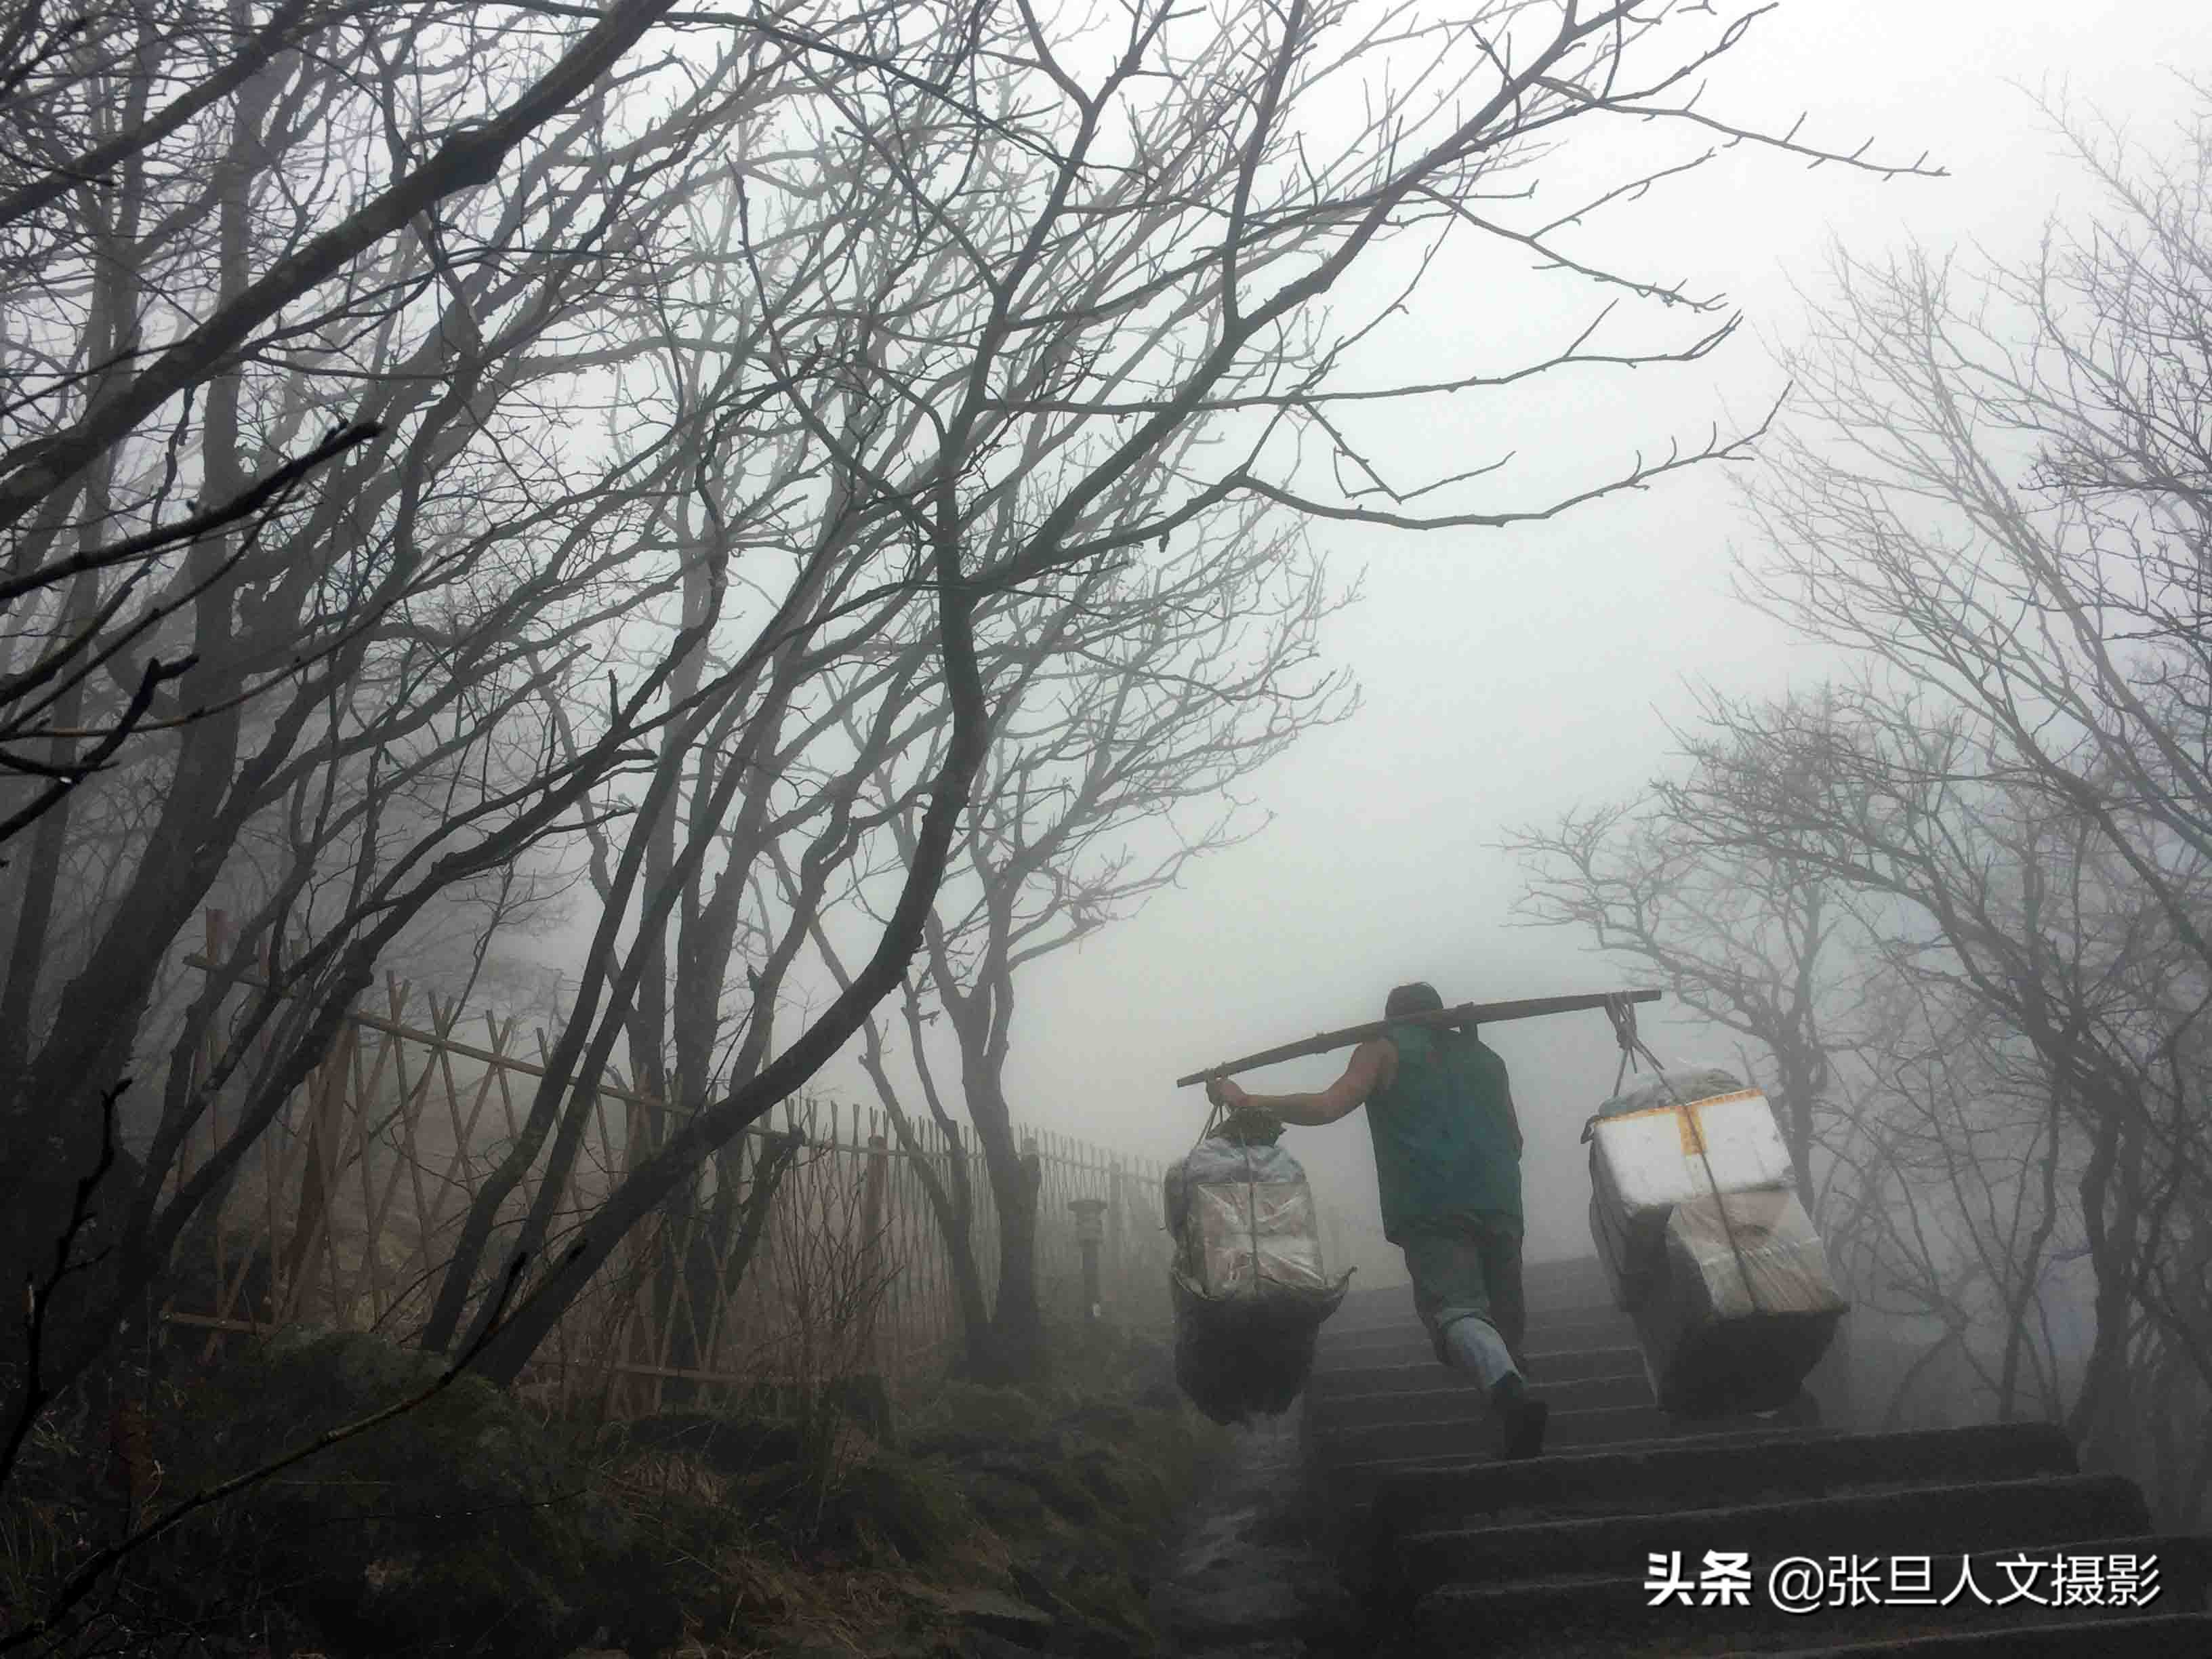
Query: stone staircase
{"x": 1451, "y": 1552}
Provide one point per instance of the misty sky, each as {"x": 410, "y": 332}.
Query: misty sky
{"x": 1511, "y": 674}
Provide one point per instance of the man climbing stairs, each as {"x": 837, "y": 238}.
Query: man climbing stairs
{"x": 1635, "y": 1534}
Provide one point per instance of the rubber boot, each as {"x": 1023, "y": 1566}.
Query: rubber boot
{"x": 1521, "y": 1418}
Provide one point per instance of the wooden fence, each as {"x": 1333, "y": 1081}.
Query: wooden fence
{"x": 348, "y": 1214}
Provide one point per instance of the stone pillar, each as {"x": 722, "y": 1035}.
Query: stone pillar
{"x": 1090, "y": 1233}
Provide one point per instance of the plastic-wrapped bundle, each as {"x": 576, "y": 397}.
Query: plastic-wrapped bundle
{"x": 1678, "y": 1137}
{"x": 1744, "y": 1309}
{"x": 1250, "y": 1290}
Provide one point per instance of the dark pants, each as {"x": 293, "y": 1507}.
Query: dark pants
{"x": 1467, "y": 1266}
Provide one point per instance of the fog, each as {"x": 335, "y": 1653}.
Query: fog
{"x": 898, "y": 541}
{"x": 1511, "y": 674}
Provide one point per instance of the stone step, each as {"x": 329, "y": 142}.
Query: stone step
{"x": 1580, "y": 1278}
{"x": 1409, "y": 1345}
{"x": 1454, "y": 1400}
{"x": 1400, "y": 1310}
{"x": 1591, "y": 1615}
{"x": 1343, "y": 1353}
{"x": 1577, "y": 1337}
{"x": 2162, "y": 1636}
{"x": 1920, "y": 1519}
{"x": 1549, "y": 1365}
{"x": 1545, "y": 1369}
{"x": 1338, "y": 1333}
{"x": 1385, "y": 1306}
{"x": 1577, "y": 1278}
{"x": 1396, "y": 1308}
{"x": 1463, "y": 1437}
{"x": 1710, "y": 1472}
{"x": 1352, "y": 1485}
{"x": 1597, "y": 1307}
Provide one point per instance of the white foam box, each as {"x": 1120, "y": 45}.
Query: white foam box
{"x": 1643, "y": 1164}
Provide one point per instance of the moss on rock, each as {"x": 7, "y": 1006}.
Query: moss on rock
{"x": 735, "y": 1444}
{"x": 914, "y": 1507}
{"x": 461, "y": 1526}
{"x": 465, "y": 1525}
{"x": 969, "y": 1416}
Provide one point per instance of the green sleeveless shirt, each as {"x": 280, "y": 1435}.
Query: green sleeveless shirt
{"x": 1444, "y": 1130}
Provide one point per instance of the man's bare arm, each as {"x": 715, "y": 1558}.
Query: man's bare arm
{"x": 1372, "y": 1062}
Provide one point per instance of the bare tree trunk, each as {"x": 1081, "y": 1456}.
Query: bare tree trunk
{"x": 1895, "y": 1415}
{"x": 509, "y": 1350}
{"x": 952, "y": 1197}
{"x": 1014, "y": 1351}
{"x": 2027, "y": 1289}
{"x": 2105, "y": 1380}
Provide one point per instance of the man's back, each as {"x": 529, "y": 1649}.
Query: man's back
{"x": 1443, "y": 1130}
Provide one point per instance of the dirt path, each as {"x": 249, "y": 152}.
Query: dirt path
{"x": 1245, "y": 1581}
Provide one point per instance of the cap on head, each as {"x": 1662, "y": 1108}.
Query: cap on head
{"x": 1419, "y": 998}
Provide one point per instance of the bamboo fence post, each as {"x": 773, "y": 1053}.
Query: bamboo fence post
{"x": 1033, "y": 1179}
{"x": 872, "y": 1241}
{"x": 913, "y": 1316}
{"x": 325, "y": 1091}
{"x": 369, "y": 1280}
{"x": 1117, "y": 1245}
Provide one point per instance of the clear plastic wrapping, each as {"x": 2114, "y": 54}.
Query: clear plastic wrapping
{"x": 1251, "y": 1290}
{"x": 1244, "y": 1223}
{"x": 1744, "y": 1308}
{"x": 1739, "y": 1253}
{"x": 1664, "y": 1088}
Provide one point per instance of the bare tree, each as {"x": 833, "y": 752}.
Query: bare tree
{"x": 1081, "y": 285}
{"x": 1964, "y": 1156}
{"x": 351, "y": 732}
{"x": 2020, "y": 905}
{"x": 1130, "y": 707}
{"x": 1988, "y": 493}
{"x": 101, "y": 218}
{"x": 703, "y": 371}
{"x": 1995, "y": 498}
{"x": 1749, "y": 943}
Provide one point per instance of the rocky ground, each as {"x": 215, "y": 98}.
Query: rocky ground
{"x": 975, "y": 1522}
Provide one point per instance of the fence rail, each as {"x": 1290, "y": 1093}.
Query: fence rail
{"x": 808, "y": 1247}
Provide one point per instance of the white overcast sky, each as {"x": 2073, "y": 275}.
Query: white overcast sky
{"x": 1510, "y": 675}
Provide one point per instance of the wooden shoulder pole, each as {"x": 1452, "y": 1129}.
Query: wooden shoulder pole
{"x": 1467, "y": 1013}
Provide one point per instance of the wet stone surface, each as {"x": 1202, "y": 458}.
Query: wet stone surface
{"x": 1243, "y": 1580}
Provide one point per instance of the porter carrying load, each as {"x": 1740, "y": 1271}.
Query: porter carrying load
{"x": 1448, "y": 1145}
{"x": 1695, "y": 1214}
{"x": 1251, "y": 1290}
